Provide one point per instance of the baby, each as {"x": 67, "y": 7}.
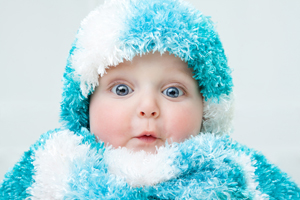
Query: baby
{"x": 145, "y": 102}
{"x": 146, "y": 112}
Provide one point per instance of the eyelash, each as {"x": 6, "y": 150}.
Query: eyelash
{"x": 113, "y": 84}
{"x": 177, "y": 85}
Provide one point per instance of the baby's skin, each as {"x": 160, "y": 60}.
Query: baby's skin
{"x": 143, "y": 103}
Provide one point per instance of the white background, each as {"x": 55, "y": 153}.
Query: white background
{"x": 261, "y": 39}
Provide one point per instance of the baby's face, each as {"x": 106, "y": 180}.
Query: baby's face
{"x": 144, "y": 103}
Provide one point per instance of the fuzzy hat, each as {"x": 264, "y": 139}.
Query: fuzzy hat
{"x": 119, "y": 30}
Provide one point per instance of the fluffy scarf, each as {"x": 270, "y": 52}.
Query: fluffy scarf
{"x": 67, "y": 165}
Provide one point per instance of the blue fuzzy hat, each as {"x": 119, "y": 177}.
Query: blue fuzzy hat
{"x": 122, "y": 29}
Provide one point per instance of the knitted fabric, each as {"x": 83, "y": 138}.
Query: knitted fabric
{"x": 67, "y": 165}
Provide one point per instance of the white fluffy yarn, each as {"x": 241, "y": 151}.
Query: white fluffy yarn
{"x": 53, "y": 163}
{"x": 142, "y": 168}
{"x": 218, "y": 117}
{"x": 98, "y": 43}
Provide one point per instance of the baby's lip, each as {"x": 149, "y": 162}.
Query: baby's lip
{"x": 147, "y": 134}
{"x": 147, "y": 137}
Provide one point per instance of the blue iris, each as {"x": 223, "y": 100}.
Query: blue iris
{"x": 173, "y": 92}
{"x": 121, "y": 89}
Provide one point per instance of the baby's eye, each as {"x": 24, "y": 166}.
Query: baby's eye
{"x": 121, "y": 89}
{"x": 173, "y": 92}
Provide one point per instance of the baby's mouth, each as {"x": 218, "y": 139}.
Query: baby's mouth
{"x": 147, "y": 137}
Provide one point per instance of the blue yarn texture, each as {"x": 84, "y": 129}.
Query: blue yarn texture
{"x": 208, "y": 166}
{"x": 157, "y": 26}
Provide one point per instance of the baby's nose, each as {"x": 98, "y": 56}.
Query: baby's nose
{"x": 148, "y": 108}
{"x": 153, "y": 114}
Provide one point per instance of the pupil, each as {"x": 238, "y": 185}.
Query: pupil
{"x": 122, "y": 90}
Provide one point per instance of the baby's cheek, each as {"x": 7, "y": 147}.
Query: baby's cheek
{"x": 108, "y": 123}
{"x": 184, "y": 124}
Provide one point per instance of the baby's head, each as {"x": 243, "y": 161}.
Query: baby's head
{"x": 143, "y": 103}
{"x": 143, "y": 72}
